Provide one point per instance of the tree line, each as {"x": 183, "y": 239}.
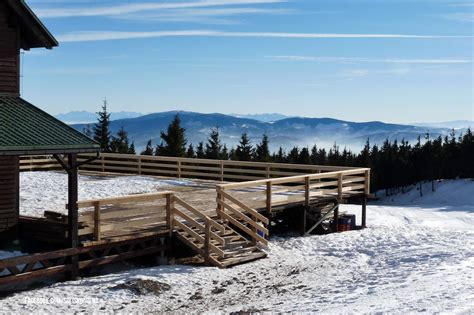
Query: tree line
{"x": 393, "y": 164}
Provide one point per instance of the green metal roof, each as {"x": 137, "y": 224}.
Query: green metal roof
{"x": 26, "y": 129}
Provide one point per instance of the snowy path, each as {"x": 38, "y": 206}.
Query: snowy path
{"x": 418, "y": 257}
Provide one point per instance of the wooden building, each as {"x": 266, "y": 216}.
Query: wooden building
{"x": 24, "y": 128}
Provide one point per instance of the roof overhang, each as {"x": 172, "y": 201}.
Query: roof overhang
{"x": 17, "y": 152}
{"x": 33, "y": 32}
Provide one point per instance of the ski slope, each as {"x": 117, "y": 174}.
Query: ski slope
{"x": 417, "y": 255}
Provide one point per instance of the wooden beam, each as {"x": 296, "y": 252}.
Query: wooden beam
{"x": 73, "y": 217}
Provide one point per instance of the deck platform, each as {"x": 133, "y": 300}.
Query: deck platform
{"x": 225, "y": 222}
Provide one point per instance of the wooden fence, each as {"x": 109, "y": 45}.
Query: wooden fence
{"x": 221, "y": 170}
{"x": 269, "y": 193}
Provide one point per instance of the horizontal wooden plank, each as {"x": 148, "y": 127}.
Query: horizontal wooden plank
{"x": 134, "y": 210}
{"x": 124, "y": 199}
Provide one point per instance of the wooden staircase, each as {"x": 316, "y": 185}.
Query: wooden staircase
{"x": 215, "y": 240}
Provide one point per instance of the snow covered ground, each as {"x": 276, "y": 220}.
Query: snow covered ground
{"x": 42, "y": 191}
{"x": 417, "y": 255}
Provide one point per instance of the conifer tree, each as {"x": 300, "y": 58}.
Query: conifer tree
{"x": 190, "y": 152}
{"x": 262, "y": 152}
{"x": 148, "y": 149}
{"x": 224, "y": 153}
{"x": 293, "y": 155}
{"x": 131, "y": 149}
{"x": 213, "y": 145}
{"x": 102, "y": 129}
{"x": 304, "y": 156}
{"x": 120, "y": 144}
{"x": 244, "y": 149}
{"x": 200, "y": 154}
{"x": 174, "y": 140}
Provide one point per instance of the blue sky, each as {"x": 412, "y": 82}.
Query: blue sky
{"x": 390, "y": 60}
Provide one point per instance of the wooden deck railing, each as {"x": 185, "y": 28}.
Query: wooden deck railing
{"x": 222, "y": 170}
{"x": 120, "y": 216}
{"x": 145, "y": 214}
{"x": 269, "y": 193}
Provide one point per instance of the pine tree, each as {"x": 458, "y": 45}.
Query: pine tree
{"x": 213, "y": 145}
{"x": 131, "y": 149}
{"x": 364, "y": 157}
{"x": 280, "y": 156}
{"x": 262, "y": 152}
{"x": 224, "y": 153}
{"x": 190, "y": 152}
{"x": 200, "y": 154}
{"x": 304, "y": 157}
{"x": 244, "y": 149}
{"x": 293, "y": 155}
{"x": 148, "y": 149}
{"x": 174, "y": 140}
{"x": 120, "y": 144}
{"x": 102, "y": 129}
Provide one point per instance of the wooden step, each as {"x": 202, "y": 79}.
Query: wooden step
{"x": 240, "y": 260}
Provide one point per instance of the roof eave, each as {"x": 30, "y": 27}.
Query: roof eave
{"x": 43, "y": 38}
{"x": 18, "y": 152}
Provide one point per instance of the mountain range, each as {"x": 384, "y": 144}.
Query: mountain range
{"x": 84, "y": 117}
{"x": 286, "y": 132}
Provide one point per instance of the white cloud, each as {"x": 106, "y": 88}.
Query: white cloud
{"x": 201, "y": 15}
{"x": 370, "y": 60}
{"x": 122, "y": 9}
{"x": 119, "y": 35}
{"x": 459, "y": 17}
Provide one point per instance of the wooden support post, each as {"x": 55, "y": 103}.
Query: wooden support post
{"x": 367, "y": 182}
{"x": 364, "y": 212}
{"x": 307, "y": 182}
{"x": 336, "y": 219}
{"x": 268, "y": 168}
{"x": 169, "y": 212}
{"x": 269, "y": 199}
{"x": 73, "y": 217}
{"x": 207, "y": 237}
{"x": 339, "y": 186}
{"x": 97, "y": 221}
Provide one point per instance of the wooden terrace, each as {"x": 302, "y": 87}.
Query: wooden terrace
{"x": 224, "y": 217}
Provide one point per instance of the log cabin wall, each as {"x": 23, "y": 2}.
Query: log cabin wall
{"x": 9, "y": 53}
{"x": 9, "y": 192}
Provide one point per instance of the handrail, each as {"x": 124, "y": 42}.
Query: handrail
{"x": 290, "y": 179}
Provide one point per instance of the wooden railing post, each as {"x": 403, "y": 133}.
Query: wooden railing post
{"x": 222, "y": 171}
{"x": 339, "y": 186}
{"x": 367, "y": 182}
{"x": 139, "y": 165}
{"x": 307, "y": 182}
{"x": 269, "y": 199}
{"x": 169, "y": 212}
{"x": 179, "y": 169}
{"x": 97, "y": 221}
{"x": 268, "y": 171}
{"x": 207, "y": 235}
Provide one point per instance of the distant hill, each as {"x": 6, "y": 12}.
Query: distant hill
{"x": 456, "y": 124}
{"x": 286, "y": 132}
{"x": 80, "y": 117}
{"x": 271, "y": 117}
